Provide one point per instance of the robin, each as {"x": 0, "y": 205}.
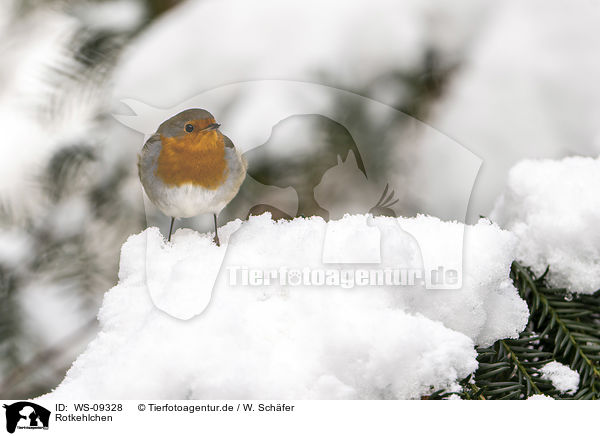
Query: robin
{"x": 188, "y": 167}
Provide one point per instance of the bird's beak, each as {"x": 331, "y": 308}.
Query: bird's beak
{"x": 213, "y": 126}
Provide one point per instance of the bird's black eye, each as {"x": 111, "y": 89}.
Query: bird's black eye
{"x": 189, "y": 128}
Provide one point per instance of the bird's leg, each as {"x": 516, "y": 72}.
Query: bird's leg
{"x": 171, "y": 228}
{"x": 216, "y": 232}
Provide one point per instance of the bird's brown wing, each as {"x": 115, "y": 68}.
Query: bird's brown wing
{"x": 151, "y": 140}
{"x": 149, "y": 145}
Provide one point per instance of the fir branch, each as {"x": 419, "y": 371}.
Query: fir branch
{"x": 509, "y": 369}
{"x": 569, "y": 327}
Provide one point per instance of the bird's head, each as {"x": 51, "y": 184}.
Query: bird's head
{"x": 190, "y": 125}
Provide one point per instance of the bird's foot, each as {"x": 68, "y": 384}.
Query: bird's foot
{"x": 216, "y": 240}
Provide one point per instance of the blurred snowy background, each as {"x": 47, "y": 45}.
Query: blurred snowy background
{"x": 508, "y": 80}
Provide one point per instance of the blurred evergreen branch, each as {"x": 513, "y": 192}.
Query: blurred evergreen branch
{"x": 10, "y": 324}
{"x": 80, "y": 261}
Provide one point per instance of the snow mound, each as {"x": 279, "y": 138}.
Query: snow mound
{"x": 297, "y": 341}
{"x": 562, "y": 377}
{"x": 554, "y": 209}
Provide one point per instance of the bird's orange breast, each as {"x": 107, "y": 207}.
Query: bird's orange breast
{"x": 198, "y": 159}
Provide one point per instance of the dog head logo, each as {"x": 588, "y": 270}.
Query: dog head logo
{"x": 310, "y": 154}
{"x": 26, "y": 415}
